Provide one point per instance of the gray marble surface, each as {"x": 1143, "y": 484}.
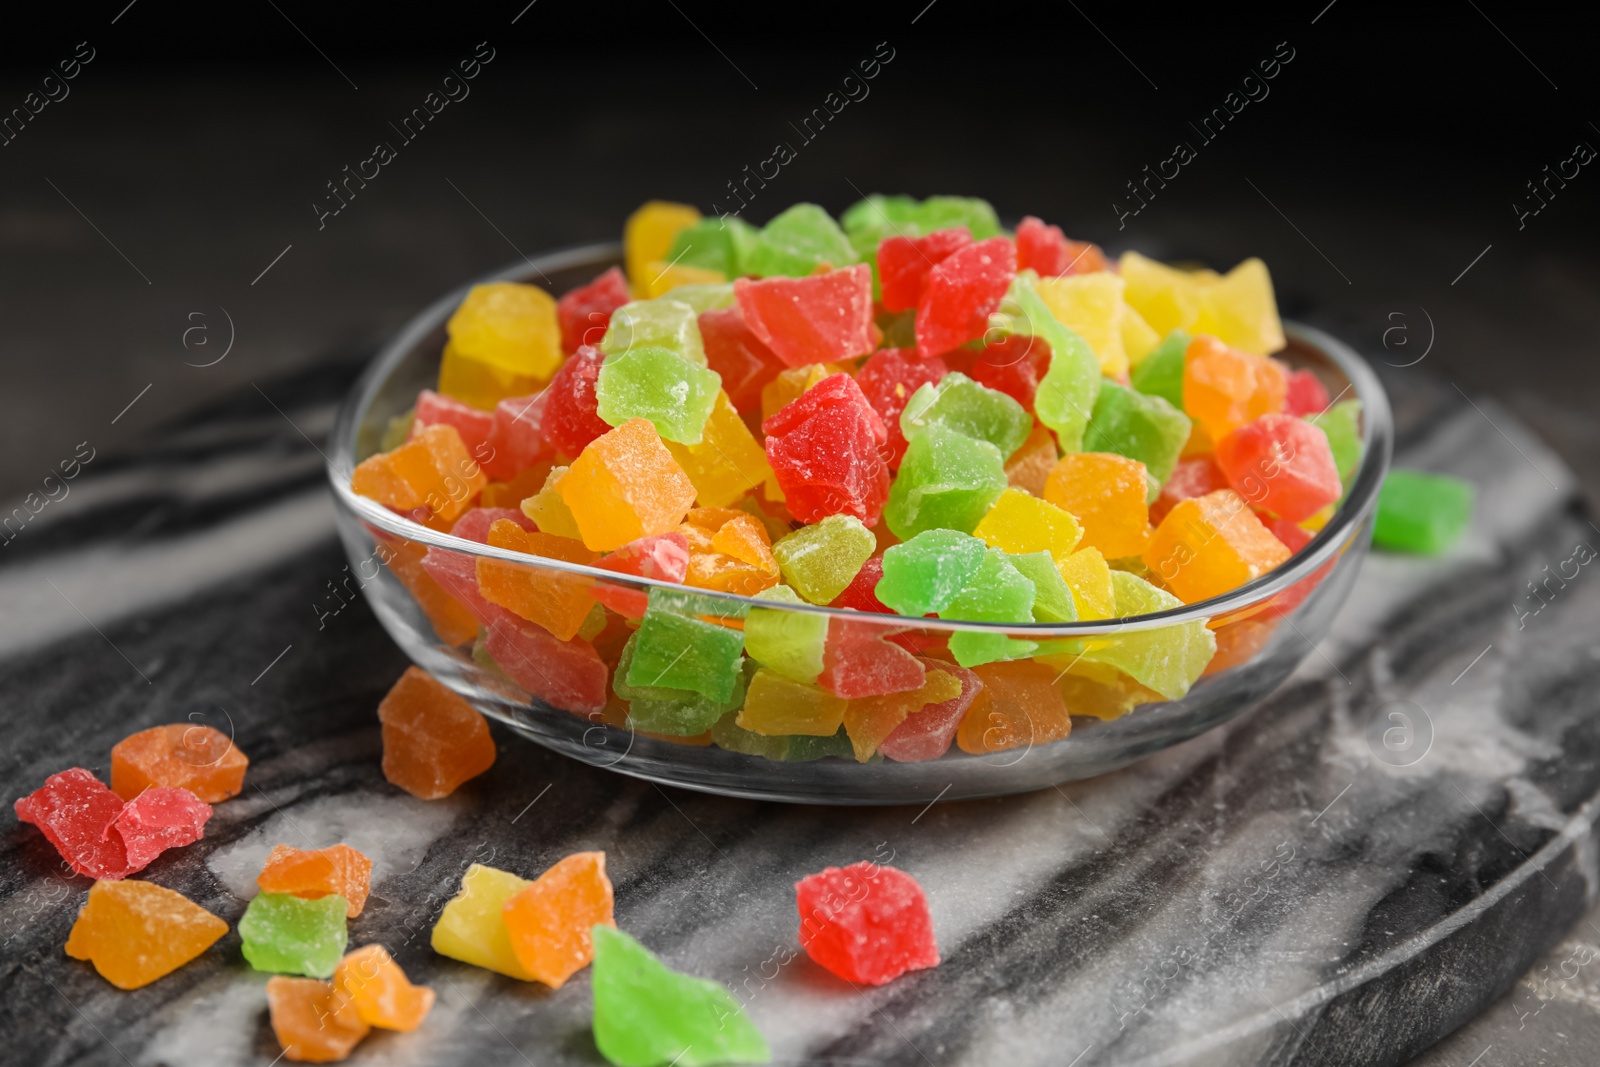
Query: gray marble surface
{"x": 1285, "y": 890}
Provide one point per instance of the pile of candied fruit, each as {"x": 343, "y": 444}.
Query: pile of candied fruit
{"x": 908, "y": 412}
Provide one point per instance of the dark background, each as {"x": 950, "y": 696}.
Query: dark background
{"x": 190, "y": 151}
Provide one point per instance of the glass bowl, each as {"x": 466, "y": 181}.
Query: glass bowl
{"x": 1062, "y": 714}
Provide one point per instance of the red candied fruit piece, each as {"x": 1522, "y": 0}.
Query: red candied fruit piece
{"x": 887, "y": 380}
{"x": 859, "y": 661}
{"x": 75, "y": 811}
{"x": 738, "y": 355}
{"x": 862, "y": 592}
{"x": 585, "y": 312}
{"x": 1294, "y": 536}
{"x": 1013, "y": 365}
{"x": 1306, "y": 394}
{"x": 824, "y": 451}
{"x": 569, "y": 675}
{"x": 1189, "y": 479}
{"x": 1050, "y": 252}
{"x": 473, "y": 424}
{"x": 517, "y": 440}
{"x": 963, "y": 290}
{"x": 457, "y": 572}
{"x": 928, "y": 733}
{"x": 664, "y": 557}
{"x": 570, "y": 419}
{"x": 1281, "y": 464}
{"x": 904, "y": 264}
{"x": 866, "y": 923}
{"x": 821, "y": 318}
{"x": 158, "y": 819}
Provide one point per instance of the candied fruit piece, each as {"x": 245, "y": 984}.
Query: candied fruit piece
{"x": 665, "y": 711}
{"x": 517, "y": 439}
{"x": 861, "y": 593}
{"x": 1067, "y": 392}
{"x": 433, "y": 740}
{"x": 664, "y": 277}
{"x": 313, "y": 1021}
{"x": 548, "y": 922}
{"x": 1014, "y": 365}
{"x": 734, "y": 351}
{"x": 1019, "y": 523}
{"x": 817, "y": 319}
{"x": 927, "y": 734}
{"x": 728, "y": 462}
{"x": 1240, "y": 309}
{"x": 663, "y": 557}
{"x": 779, "y": 706}
{"x": 1052, "y": 599}
{"x": 723, "y": 244}
{"x": 1161, "y": 372}
{"x": 585, "y": 311}
{"x": 904, "y": 264}
{"x": 569, "y": 675}
{"x": 1211, "y": 544}
{"x": 788, "y": 642}
{"x": 1342, "y": 425}
{"x": 798, "y": 241}
{"x": 888, "y": 380}
{"x": 961, "y": 404}
{"x": 866, "y": 923}
{"x": 1088, "y": 576}
{"x": 1051, "y": 253}
{"x": 431, "y": 476}
{"x": 156, "y": 820}
{"x": 377, "y": 987}
{"x": 188, "y": 756}
{"x": 1304, "y": 394}
{"x": 1167, "y": 660}
{"x": 963, "y": 289}
{"x": 482, "y": 385}
{"x": 135, "y": 932}
{"x": 1018, "y": 706}
{"x": 548, "y": 511}
{"x": 869, "y": 720}
{"x": 646, "y": 1015}
{"x": 1029, "y": 467}
{"x": 729, "y": 551}
{"x": 661, "y": 323}
{"x": 313, "y": 873}
{"x": 570, "y": 414}
{"x": 947, "y": 480}
{"x": 997, "y": 593}
{"x": 1106, "y": 493}
{"x": 473, "y": 424}
{"x": 658, "y": 384}
{"x": 1166, "y": 298}
{"x": 1140, "y": 427}
{"x": 677, "y": 649}
{"x": 859, "y": 661}
{"x": 1190, "y": 478}
{"x": 648, "y": 235}
{"x": 75, "y": 812}
{"x": 472, "y": 929}
{"x": 625, "y": 486}
{"x": 1224, "y": 388}
{"x": 447, "y": 610}
{"x": 824, "y": 452}
{"x": 1281, "y": 464}
{"x": 1091, "y": 306}
{"x": 509, "y": 326}
{"x": 820, "y": 560}
{"x": 293, "y": 935}
{"x": 924, "y": 574}
{"x": 1423, "y": 513}
{"x": 789, "y": 385}
{"x": 557, "y": 600}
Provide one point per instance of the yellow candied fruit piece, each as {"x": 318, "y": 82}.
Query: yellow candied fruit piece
{"x": 510, "y": 327}
{"x": 1090, "y": 304}
{"x": 480, "y": 384}
{"x": 470, "y": 928}
{"x": 775, "y": 705}
{"x": 790, "y": 384}
{"x": 1019, "y": 523}
{"x": 1088, "y": 577}
{"x": 727, "y": 463}
{"x": 648, "y": 236}
{"x": 549, "y": 512}
{"x": 1167, "y": 299}
{"x": 1139, "y": 338}
{"x": 1240, "y": 309}
{"x": 1106, "y": 493}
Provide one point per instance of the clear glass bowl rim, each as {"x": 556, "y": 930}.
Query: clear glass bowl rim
{"x": 1362, "y": 497}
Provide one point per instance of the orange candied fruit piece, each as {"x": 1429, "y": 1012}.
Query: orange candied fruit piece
{"x": 1029, "y": 466}
{"x": 554, "y": 599}
{"x": 624, "y": 486}
{"x": 1208, "y": 545}
{"x": 1019, "y": 706}
{"x": 383, "y": 996}
{"x": 869, "y": 720}
{"x": 314, "y": 1022}
{"x": 180, "y": 755}
{"x": 317, "y": 873}
{"x": 1223, "y": 388}
{"x": 549, "y": 921}
{"x": 729, "y": 550}
{"x": 1106, "y": 493}
{"x": 433, "y": 740}
{"x": 135, "y": 932}
{"x": 452, "y": 620}
{"x": 432, "y": 477}
{"x": 523, "y": 484}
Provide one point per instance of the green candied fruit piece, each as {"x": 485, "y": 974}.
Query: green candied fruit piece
{"x": 804, "y": 748}
{"x": 798, "y": 241}
{"x": 1066, "y": 395}
{"x": 710, "y": 296}
{"x": 1161, "y": 372}
{"x": 946, "y": 481}
{"x": 1341, "y": 424}
{"x": 720, "y": 242}
{"x": 924, "y": 575}
{"x": 676, "y": 649}
{"x": 1422, "y": 513}
{"x": 1141, "y": 427}
{"x": 997, "y": 593}
{"x": 867, "y": 222}
{"x": 1168, "y": 660}
{"x": 656, "y": 384}
{"x": 291, "y": 935}
{"x": 648, "y": 1015}
{"x": 660, "y": 323}
{"x": 963, "y": 405}
{"x": 821, "y": 559}
{"x": 659, "y": 709}
{"x": 788, "y": 642}
{"x": 1052, "y": 599}
{"x": 945, "y": 212}
{"x": 728, "y": 734}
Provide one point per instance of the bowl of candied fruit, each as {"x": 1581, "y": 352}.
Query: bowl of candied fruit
{"x": 864, "y": 510}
